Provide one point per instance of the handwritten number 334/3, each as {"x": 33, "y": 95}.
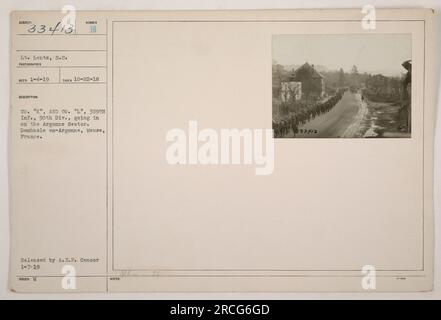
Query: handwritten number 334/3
{"x": 42, "y": 28}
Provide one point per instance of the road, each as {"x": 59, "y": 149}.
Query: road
{"x": 343, "y": 120}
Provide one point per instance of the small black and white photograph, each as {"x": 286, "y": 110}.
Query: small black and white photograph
{"x": 341, "y": 85}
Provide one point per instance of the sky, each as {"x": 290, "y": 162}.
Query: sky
{"x": 371, "y": 53}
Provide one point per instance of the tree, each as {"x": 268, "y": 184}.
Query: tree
{"x": 279, "y": 73}
{"x": 354, "y": 76}
{"x": 341, "y": 78}
{"x": 354, "y": 70}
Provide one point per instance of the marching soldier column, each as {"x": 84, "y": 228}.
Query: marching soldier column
{"x": 306, "y": 113}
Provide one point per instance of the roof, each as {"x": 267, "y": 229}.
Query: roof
{"x": 306, "y": 70}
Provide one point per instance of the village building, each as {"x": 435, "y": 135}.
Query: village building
{"x": 312, "y": 82}
{"x": 290, "y": 90}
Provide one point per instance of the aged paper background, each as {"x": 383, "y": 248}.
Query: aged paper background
{"x": 398, "y": 195}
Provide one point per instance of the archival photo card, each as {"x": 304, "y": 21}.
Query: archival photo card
{"x": 157, "y": 151}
